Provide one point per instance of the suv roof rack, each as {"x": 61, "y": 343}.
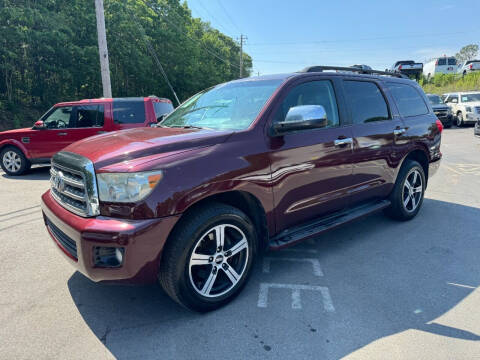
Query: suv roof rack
{"x": 321, "y": 68}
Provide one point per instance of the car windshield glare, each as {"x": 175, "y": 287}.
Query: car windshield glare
{"x": 471, "y": 97}
{"x": 435, "y": 99}
{"x": 229, "y": 106}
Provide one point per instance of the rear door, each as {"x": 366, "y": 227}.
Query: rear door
{"x": 375, "y": 132}
{"x": 310, "y": 170}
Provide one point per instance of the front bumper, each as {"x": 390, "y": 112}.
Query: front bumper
{"x": 446, "y": 120}
{"x": 142, "y": 240}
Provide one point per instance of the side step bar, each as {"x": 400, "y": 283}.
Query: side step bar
{"x": 312, "y": 228}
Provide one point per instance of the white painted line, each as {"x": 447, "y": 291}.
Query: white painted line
{"x": 317, "y": 270}
{"x": 460, "y": 285}
{"x": 296, "y": 294}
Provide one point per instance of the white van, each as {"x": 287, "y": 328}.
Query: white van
{"x": 441, "y": 65}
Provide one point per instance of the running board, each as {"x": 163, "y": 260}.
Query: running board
{"x": 312, "y": 228}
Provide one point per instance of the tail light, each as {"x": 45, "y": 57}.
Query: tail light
{"x": 436, "y": 62}
{"x": 400, "y": 67}
{"x": 439, "y": 125}
{"x": 471, "y": 66}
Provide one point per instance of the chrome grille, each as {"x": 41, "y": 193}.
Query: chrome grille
{"x": 73, "y": 184}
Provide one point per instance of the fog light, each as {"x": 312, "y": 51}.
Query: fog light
{"x": 109, "y": 257}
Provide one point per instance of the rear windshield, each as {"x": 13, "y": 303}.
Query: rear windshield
{"x": 452, "y": 61}
{"x": 128, "y": 112}
{"x": 442, "y": 61}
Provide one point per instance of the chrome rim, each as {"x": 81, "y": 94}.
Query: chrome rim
{"x": 12, "y": 161}
{"x": 412, "y": 190}
{"x": 218, "y": 261}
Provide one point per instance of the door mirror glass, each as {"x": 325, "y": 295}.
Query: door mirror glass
{"x": 39, "y": 125}
{"x": 302, "y": 117}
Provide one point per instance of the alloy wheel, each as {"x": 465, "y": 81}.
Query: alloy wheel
{"x": 412, "y": 190}
{"x": 12, "y": 161}
{"x": 218, "y": 261}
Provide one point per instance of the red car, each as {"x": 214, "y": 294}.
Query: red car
{"x": 68, "y": 122}
{"x": 253, "y": 164}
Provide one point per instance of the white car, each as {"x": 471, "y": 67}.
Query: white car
{"x": 441, "y": 65}
{"x": 465, "y": 106}
{"x": 468, "y": 66}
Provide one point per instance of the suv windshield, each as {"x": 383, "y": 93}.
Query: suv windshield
{"x": 435, "y": 99}
{"x": 470, "y": 97}
{"x": 230, "y": 106}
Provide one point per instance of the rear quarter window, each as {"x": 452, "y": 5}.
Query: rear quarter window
{"x": 129, "y": 112}
{"x": 408, "y": 100}
{"x": 162, "y": 108}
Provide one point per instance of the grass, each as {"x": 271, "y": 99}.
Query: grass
{"x": 444, "y": 83}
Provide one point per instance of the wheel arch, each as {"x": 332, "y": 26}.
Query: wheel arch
{"x": 15, "y": 144}
{"x": 421, "y": 156}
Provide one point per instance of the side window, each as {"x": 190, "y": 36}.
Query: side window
{"x": 453, "y": 99}
{"x": 162, "y": 108}
{"x": 366, "y": 102}
{"x": 129, "y": 112}
{"x": 311, "y": 93}
{"x": 59, "y": 118}
{"x": 408, "y": 99}
{"x": 89, "y": 116}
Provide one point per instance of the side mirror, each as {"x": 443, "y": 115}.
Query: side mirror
{"x": 302, "y": 117}
{"x": 39, "y": 125}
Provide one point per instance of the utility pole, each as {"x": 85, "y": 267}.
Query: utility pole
{"x": 242, "y": 39}
{"x": 102, "y": 49}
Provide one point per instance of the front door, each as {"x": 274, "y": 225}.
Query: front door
{"x": 310, "y": 170}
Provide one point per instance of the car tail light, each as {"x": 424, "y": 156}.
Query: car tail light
{"x": 471, "y": 66}
{"x": 400, "y": 67}
{"x": 436, "y": 62}
{"x": 439, "y": 125}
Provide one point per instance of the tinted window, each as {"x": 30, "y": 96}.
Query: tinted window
{"x": 129, "y": 112}
{"x": 311, "y": 93}
{"x": 452, "y": 61}
{"x": 89, "y": 116}
{"x": 59, "y": 118}
{"x": 442, "y": 61}
{"x": 408, "y": 99}
{"x": 366, "y": 102}
{"x": 162, "y": 108}
{"x": 435, "y": 99}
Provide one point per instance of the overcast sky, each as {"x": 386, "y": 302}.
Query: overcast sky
{"x": 285, "y": 36}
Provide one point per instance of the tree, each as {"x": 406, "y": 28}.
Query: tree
{"x": 468, "y": 52}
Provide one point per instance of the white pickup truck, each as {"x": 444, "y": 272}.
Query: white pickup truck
{"x": 408, "y": 67}
{"x": 468, "y": 66}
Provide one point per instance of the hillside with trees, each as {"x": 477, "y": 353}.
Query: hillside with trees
{"x": 49, "y": 53}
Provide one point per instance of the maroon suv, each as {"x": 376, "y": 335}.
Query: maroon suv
{"x": 253, "y": 164}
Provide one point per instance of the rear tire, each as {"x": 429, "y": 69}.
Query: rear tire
{"x": 13, "y": 162}
{"x": 407, "y": 195}
{"x": 208, "y": 258}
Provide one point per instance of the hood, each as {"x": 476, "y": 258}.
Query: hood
{"x": 440, "y": 107}
{"x": 15, "y": 132}
{"x": 112, "y": 148}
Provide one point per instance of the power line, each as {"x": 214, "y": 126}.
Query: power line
{"x": 227, "y": 62}
{"x": 228, "y": 15}
{"x": 212, "y": 16}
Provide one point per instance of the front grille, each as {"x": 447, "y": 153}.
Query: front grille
{"x": 441, "y": 113}
{"x": 68, "y": 244}
{"x": 73, "y": 184}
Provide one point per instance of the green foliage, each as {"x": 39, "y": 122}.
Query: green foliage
{"x": 48, "y": 51}
{"x": 443, "y": 83}
{"x": 468, "y": 52}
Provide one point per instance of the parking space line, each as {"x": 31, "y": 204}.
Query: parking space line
{"x": 296, "y": 295}
{"x": 461, "y": 285}
{"x": 317, "y": 270}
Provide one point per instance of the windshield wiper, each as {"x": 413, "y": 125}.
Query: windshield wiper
{"x": 190, "y": 127}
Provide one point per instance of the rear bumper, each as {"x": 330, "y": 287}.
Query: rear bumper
{"x": 471, "y": 118}
{"x": 142, "y": 240}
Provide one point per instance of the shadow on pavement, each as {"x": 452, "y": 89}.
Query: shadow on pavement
{"x": 384, "y": 277}
{"x": 41, "y": 172}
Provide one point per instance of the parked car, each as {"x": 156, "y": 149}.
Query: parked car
{"x": 441, "y": 110}
{"x": 252, "y": 164}
{"x": 468, "y": 66}
{"x": 408, "y": 67}
{"x": 68, "y": 122}
{"x": 362, "y": 67}
{"x": 441, "y": 65}
{"x": 465, "y": 106}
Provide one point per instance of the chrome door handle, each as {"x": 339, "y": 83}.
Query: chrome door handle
{"x": 341, "y": 142}
{"x": 398, "y": 132}
{"x": 62, "y": 134}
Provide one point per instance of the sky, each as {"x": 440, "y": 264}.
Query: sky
{"x": 288, "y": 35}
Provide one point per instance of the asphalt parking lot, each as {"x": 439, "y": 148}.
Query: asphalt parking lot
{"x": 374, "y": 289}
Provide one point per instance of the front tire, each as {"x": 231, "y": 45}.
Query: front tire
{"x": 13, "y": 162}
{"x": 209, "y": 257}
{"x": 407, "y": 195}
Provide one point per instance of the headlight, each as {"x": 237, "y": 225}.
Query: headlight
{"x": 127, "y": 187}
{"x": 468, "y": 109}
